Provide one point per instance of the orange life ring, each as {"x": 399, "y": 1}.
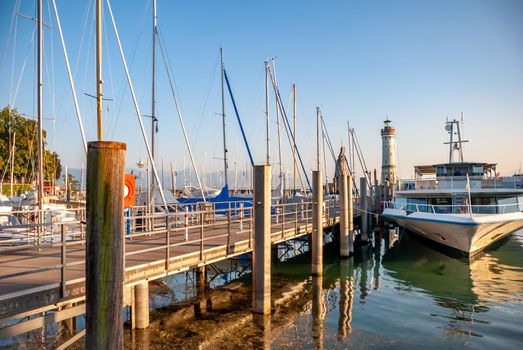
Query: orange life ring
{"x": 129, "y": 193}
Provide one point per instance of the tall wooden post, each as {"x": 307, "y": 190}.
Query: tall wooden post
{"x": 105, "y": 245}
{"x": 344, "y": 204}
{"x": 317, "y": 223}
{"x": 261, "y": 267}
{"x": 364, "y": 210}
{"x": 350, "y": 214}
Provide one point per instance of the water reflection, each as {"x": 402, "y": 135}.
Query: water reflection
{"x": 346, "y": 296}
{"x": 492, "y": 276}
{"x": 318, "y": 311}
{"x": 419, "y": 296}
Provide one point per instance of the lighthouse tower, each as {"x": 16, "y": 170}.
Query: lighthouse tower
{"x": 388, "y": 160}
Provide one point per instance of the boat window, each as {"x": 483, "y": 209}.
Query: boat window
{"x": 508, "y": 204}
{"x": 441, "y": 171}
{"x": 440, "y": 205}
{"x": 417, "y": 204}
{"x": 484, "y": 205}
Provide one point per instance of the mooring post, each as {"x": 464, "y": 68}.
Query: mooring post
{"x": 262, "y": 240}
{"x": 105, "y": 245}
{"x": 141, "y": 305}
{"x": 344, "y": 205}
{"x": 350, "y": 214}
{"x": 364, "y": 209}
{"x": 317, "y": 223}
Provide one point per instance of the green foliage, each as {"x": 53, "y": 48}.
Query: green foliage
{"x": 72, "y": 182}
{"x": 26, "y": 148}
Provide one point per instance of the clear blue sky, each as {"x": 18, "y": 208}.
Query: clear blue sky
{"x": 416, "y": 61}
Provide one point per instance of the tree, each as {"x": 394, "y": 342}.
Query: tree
{"x": 26, "y": 148}
{"x": 72, "y": 183}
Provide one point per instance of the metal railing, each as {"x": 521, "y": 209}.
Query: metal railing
{"x": 455, "y": 209}
{"x": 459, "y": 182}
{"x": 62, "y": 242}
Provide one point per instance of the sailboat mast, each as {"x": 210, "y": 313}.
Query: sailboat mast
{"x": 225, "y": 166}
{"x": 267, "y": 112}
{"x": 153, "y": 93}
{"x": 276, "y": 98}
{"x": 99, "y": 80}
{"x": 151, "y": 184}
{"x": 294, "y": 137}
{"x": 40, "y": 115}
{"x": 318, "y": 127}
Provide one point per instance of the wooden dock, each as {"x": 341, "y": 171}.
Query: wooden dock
{"x": 34, "y": 279}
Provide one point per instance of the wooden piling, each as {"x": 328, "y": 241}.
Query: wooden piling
{"x": 141, "y": 305}
{"x": 344, "y": 211}
{"x": 105, "y": 246}
{"x": 317, "y": 223}
{"x": 261, "y": 267}
{"x": 350, "y": 214}
{"x": 364, "y": 210}
{"x": 199, "y": 305}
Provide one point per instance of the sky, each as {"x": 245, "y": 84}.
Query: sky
{"x": 415, "y": 62}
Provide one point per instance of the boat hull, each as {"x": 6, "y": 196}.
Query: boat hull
{"x": 458, "y": 231}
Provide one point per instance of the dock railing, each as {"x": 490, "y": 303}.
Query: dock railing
{"x": 63, "y": 242}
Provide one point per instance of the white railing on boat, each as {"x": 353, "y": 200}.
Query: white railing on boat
{"x": 460, "y": 182}
{"x": 455, "y": 209}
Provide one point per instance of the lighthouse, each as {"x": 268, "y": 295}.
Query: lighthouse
{"x": 388, "y": 160}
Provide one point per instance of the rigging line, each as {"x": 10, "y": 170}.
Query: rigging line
{"x": 87, "y": 13}
{"x": 288, "y": 128}
{"x": 12, "y": 102}
{"x": 135, "y": 102}
{"x": 90, "y": 45}
{"x": 14, "y": 57}
{"x": 203, "y": 106}
{"x": 71, "y": 82}
{"x": 52, "y": 89}
{"x": 291, "y": 143}
{"x": 324, "y": 159}
{"x": 329, "y": 143}
{"x": 237, "y": 115}
{"x": 121, "y": 90}
{"x": 180, "y": 117}
{"x": 361, "y": 159}
{"x": 8, "y": 39}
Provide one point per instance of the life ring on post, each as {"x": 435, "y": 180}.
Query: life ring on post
{"x": 129, "y": 191}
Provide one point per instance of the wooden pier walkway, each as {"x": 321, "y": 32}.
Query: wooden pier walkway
{"x": 34, "y": 280}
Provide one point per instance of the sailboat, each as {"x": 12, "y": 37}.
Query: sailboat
{"x": 223, "y": 200}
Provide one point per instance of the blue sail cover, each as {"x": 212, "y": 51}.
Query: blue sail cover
{"x": 222, "y": 201}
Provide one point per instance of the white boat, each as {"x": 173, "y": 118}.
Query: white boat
{"x": 466, "y": 206}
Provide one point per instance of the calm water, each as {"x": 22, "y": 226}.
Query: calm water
{"x": 411, "y": 296}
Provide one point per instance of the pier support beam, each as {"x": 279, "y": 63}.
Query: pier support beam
{"x": 317, "y": 223}
{"x": 364, "y": 210}
{"x": 141, "y": 304}
{"x": 350, "y": 214}
{"x": 105, "y": 245}
{"x": 344, "y": 211}
{"x": 201, "y": 278}
{"x": 261, "y": 267}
